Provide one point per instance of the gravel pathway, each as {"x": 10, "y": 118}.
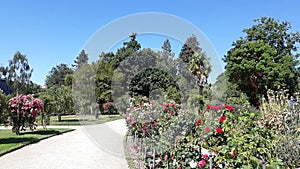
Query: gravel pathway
{"x": 74, "y": 150}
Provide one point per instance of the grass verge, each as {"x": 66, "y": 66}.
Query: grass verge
{"x": 10, "y": 141}
{"x": 83, "y": 120}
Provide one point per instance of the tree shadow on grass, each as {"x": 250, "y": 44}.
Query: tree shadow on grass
{"x": 43, "y": 132}
{"x": 29, "y": 140}
{"x": 14, "y": 140}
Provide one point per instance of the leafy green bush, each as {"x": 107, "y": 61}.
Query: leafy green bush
{"x": 3, "y": 107}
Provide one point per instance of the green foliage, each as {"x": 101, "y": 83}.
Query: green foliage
{"x": 3, "y": 107}
{"x": 107, "y": 65}
{"x": 128, "y": 49}
{"x": 10, "y": 142}
{"x": 108, "y": 58}
{"x": 84, "y": 87}
{"x": 241, "y": 99}
{"x": 32, "y": 88}
{"x": 77, "y": 120}
{"x": 81, "y": 60}
{"x": 264, "y": 59}
{"x": 235, "y": 96}
{"x": 68, "y": 80}
{"x": 197, "y": 63}
{"x": 219, "y": 88}
{"x": 250, "y": 142}
{"x": 153, "y": 79}
{"x": 105, "y": 72}
{"x": 189, "y": 48}
{"x": 57, "y": 75}
{"x": 49, "y": 107}
{"x": 59, "y": 100}
{"x": 200, "y": 68}
{"x": 17, "y": 73}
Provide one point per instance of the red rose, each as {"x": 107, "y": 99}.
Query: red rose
{"x": 215, "y": 107}
{"x": 222, "y": 118}
{"x": 209, "y": 107}
{"x": 198, "y": 122}
{"x": 228, "y": 107}
{"x": 207, "y": 129}
{"x": 205, "y": 156}
{"x": 219, "y": 130}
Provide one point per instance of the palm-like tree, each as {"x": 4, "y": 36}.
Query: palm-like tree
{"x": 200, "y": 67}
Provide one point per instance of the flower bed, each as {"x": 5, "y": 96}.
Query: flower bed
{"x": 165, "y": 137}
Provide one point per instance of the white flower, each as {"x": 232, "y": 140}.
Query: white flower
{"x": 174, "y": 162}
{"x": 193, "y": 164}
{"x": 160, "y": 130}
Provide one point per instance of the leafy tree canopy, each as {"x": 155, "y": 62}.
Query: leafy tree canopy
{"x": 17, "y": 73}
{"x": 58, "y": 74}
{"x": 264, "y": 59}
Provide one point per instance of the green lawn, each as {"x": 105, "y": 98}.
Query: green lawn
{"x": 80, "y": 120}
{"x": 10, "y": 141}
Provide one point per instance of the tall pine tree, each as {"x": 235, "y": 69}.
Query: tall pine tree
{"x": 81, "y": 60}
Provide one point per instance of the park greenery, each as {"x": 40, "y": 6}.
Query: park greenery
{"x": 247, "y": 118}
{"x": 255, "y": 122}
{"x": 10, "y": 142}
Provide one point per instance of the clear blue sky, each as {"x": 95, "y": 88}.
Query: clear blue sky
{"x": 51, "y": 32}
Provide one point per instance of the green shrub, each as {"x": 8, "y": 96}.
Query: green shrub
{"x": 3, "y": 107}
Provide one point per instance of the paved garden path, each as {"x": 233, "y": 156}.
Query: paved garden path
{"x": 73, "y": 150}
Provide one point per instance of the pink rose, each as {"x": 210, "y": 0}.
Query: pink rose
{"x": 201, "y": 163}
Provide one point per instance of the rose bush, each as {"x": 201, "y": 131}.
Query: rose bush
{"x": 109, "y": 108}
{"x": 237, "y": 138}
{"x": 145, "y": 119}
{"x": 23, "y": 112}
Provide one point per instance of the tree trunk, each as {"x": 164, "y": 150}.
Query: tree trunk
{"x": 44, "y": 121}
{"x": 18, "y": 131}
{"x": 200, "y": 90}
{"x": 17, "y": 124}
{"x": 59, "y": 117}
{"x": 254, "y": 87}
{"x": 201, "y": 101}
{"x": 96, "y": 115}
